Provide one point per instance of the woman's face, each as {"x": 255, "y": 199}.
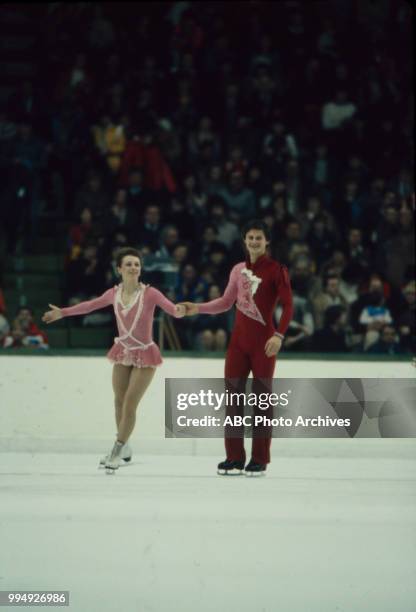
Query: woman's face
{"x": 130, "y": 268}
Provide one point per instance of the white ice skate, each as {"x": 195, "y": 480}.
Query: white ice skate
{"x": 126, "y": 455}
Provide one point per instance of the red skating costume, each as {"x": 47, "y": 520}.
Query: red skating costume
{"x": 256, "y": 289}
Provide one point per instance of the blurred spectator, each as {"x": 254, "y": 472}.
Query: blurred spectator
{"x": 28, "y": 155}
{"x": 149, "y": 231}
{"x": 121, "y": 218}
{"x": 192, "y": 196}
{"x": 25, "y": 333}
{"x": 210, "y": 332}
{"x": 320, "y": 240}
{"x": 406, "y": 318}
{"x": 372, "y": 310}
{"x": 332, "y": 337}
{"x": 136, "y": 194}
{"x": 329, "y": 296}
{"x": 239, "y": 200}
{"x": 337, "y": 111}
{"x": 387, "y": 343}
{"x": 169, "y": 241}
{"x": 86, "y": 230}
{"x": 101, "y": 33}
{"x": 226, "y": 231}
{"x": 292, "y": 238}
{"x": 358, "y": 256}
{"x": 4, "y": 328}
{"x": 190, "y": 287}
{"x": 85, "y": 275}
{"x": 92, "y": 196}
{"x": 110, "y": 140}
{"x": 279, "y": 147}
{"x": 301, "y": 326}
{"x": 237, "y": 163}
{"x": 304, "y": 283}
{"x": 181, "y": 253}
{"x": 400, "y": 249}
{"x": 215, "y": 181}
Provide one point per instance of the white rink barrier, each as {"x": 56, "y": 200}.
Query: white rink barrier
{"x": 65, "y": 404}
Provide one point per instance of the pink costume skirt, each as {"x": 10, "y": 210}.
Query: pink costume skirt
{"x": 139, "y": 358}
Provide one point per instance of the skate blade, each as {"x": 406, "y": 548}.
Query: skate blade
{"x": 110, "y": 471}
{"x": 255, "y": 474}
{"x": 229, "y": 472}
{"x": 125, "y": 463}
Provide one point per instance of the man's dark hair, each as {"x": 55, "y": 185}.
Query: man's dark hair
{"x": 124, "y": 252}
{"x": 256, "y": 224}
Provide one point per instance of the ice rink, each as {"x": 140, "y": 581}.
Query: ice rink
{"x": 332, "y": 527}
{"x": 318, "y": 533}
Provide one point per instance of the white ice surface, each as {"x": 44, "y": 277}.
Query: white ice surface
{"x": 320, "y": 533}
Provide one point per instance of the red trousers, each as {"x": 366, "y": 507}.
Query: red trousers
{"x": 242, "y": 357}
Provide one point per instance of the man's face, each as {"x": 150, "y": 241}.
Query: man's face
{"x": 152, "y": 215}
{"x": 332, "y": 287}
{"x": 189, "y": 273}
{"x": 171, "y": 236}
{"x": 180, "y": 253}
{"x": 376, "y": 287}
{"x": 293, "y": 231}
{"x": 256, "y": 242}
{"x": 355, "y": 237}
{"x": 217, "y": 212}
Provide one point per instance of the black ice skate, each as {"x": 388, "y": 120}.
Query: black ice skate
{"x": 255, "y": 469}
{"x": 230, "y": 468}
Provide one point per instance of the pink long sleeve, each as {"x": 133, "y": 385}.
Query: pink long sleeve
{"x": 162, "y": 301}
{"x": 106, "y": 299}
{"x": 225, "y": 301}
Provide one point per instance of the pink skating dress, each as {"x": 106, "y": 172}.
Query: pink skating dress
{"x": 134, "y": 346}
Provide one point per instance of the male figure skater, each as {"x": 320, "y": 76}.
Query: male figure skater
{"x": 256, "y": 285}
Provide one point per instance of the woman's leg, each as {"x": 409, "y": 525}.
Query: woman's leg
{"x": 121, "y": 378}
{"x": 140, "y": 379}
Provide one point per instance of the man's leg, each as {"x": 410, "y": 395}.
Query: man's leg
{"x": 263, "y": 368}
{"x": 237, "y": 369}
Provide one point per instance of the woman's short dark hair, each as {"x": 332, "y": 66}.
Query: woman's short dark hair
{"x": 256, "y": 224}
{"x": 124, "y": 252}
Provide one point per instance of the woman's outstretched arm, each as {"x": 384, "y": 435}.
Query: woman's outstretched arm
{"x": 56, "y": 313}
{"x": 174, "y": 310}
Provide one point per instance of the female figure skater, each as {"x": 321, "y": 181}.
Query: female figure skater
{"x": 255, "y": 285}
{"x": 134, "y": 354}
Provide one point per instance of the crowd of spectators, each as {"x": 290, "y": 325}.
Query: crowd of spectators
{"x": 166, "y": 128}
